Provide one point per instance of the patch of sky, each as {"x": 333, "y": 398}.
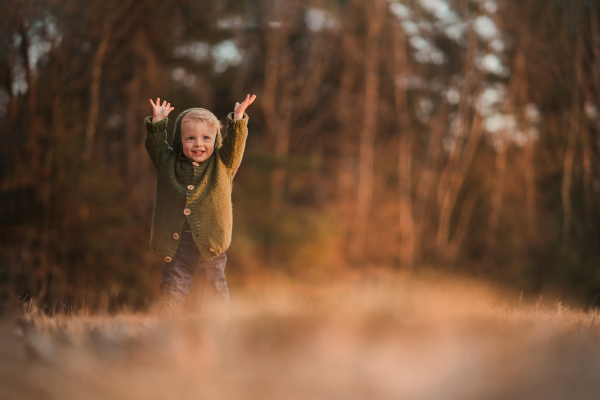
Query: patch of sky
{"x": 492, "y": 64}
{"x": 52, "y": 29}
{"x": 19, "y": 83}
{"x": 180, "y": 75}
{"x": 426, "y": 52}
{"x": 317, "y": 19}
{"x": 425, "y": 27}
{"x": 225, "y": 54}
{"x": 533, "y": 134}
{"x": 189, "y": 80}
{"x": 17, "y": 39}
{"x": 456, "y": 31}
{"x": 503, "y": 127}
{"x": 458, "y": 127}
{"x": 533, "y": 115}
{"x": 433, "y": 56}
{"x": 196, "y": 51}
{"x": 448, "y": 144}
{"x": 490, "y": 99}
{"x": 43, "y": 36}
{"x": 419, "y": 43}
{"x": 591, "y": 110}
{"x": 424, "y": 109}
{"x": 497, "y": 45}
{"x": 438, "y": 8}
{"x": 454, "y": 131}
{"x": 499, "y": 123}
{"x": 410, "y": 27}
{"x": 400, "y": 10}
{"x": 485, "y": 27}
{"x": 450, "y": 17}
{"x": 452, "y": 95}
{"x": 410, "y": 82}
{"x": 177, "y": 74}
{"x": 37, "y": 51}
{"x": 489, "y": 6}
{"x": 232, "y": 22}
{"x": 451, "y": 25}
{"x": 521, "y": 138}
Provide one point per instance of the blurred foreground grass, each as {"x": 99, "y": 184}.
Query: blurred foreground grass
{"x": 377, "y": 335}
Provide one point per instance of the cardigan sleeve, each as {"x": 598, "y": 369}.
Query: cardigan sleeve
{"x": 234, "y": 142}
{"x": 156, "y": 141}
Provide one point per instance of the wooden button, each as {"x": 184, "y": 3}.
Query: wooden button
{"x": 175, "y": 236}
{"x": 187, "y": 211}
{"x": 190, "y": 187}
{"x": 195, "y": 164}
{"x": 213, "y": 250}
{"x": 168, "y": 259}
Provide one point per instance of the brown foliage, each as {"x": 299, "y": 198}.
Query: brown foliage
{"x": 370, "y": 143}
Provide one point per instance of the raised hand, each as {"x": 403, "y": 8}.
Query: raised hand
{"x": 159, "y": 111}
{"x": 240, "y": 108}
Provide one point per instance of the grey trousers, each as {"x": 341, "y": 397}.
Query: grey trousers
{"x": 188, "y": 265}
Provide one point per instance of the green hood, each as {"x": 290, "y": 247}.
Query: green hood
{"x": 178, "y": 146}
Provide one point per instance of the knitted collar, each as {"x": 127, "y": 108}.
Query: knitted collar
{"x": 178, "y": 146}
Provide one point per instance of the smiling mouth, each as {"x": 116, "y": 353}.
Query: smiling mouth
{"x": 198, "y": 152}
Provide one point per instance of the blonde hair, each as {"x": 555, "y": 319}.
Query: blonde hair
{"x": 202, "y": 115}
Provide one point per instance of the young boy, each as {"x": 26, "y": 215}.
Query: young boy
{"x": 192, "y": 221}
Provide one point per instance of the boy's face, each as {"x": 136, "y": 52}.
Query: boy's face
{"x": 198, "y": 140}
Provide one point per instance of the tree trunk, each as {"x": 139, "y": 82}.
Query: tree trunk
{"x": 463, "y": 150}
{"x": 497, "y": 190}
{"x": 132, "y": 152}
{"x": 29, "y": 72}
{"x": 516, "y": 92}
{"x": 530, "y": 192}
{"x": 565, "y": 189}
{"x": 367, "y": 135}
{"x": 90, "y": 131}
{"x": 408, "y": 239}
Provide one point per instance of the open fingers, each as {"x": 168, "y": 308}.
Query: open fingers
{"x": 249, "y": 100}
{"x": 157, "y": 104}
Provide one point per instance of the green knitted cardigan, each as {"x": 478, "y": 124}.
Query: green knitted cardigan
{"x": 200, "y": 192}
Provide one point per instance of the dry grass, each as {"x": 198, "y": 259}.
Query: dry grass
{"x": 375, "y": 336}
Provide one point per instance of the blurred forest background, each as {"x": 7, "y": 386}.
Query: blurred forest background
{"x": 461, "y": 135}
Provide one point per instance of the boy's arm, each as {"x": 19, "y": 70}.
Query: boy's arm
{"x": 234, "y": 142}
{"x": 156, "y": 132}
{"x": 156, "y": 141}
